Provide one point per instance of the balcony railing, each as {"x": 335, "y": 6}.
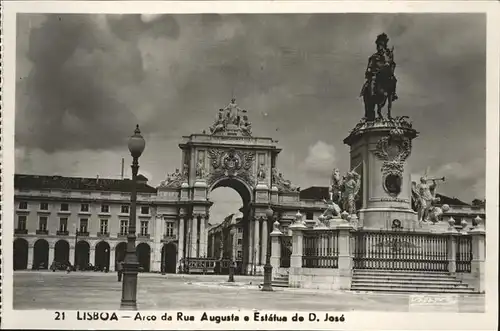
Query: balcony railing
{"x": 169, "y": 237}
{"x": 45, "y": 232}
{"x": 144, "y": 235}
{"x": 62, "y": 233}
{"x": 103, "y": 234}
{"x": 83, "y": 233}
{"x": 122, "y": 235}
{"x": 21, "y": 231}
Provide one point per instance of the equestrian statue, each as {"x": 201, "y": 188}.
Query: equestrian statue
{"x": 380, "y": 85}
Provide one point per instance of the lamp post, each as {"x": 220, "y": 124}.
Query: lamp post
{"x": 76, "y": 243}
{"x": 136, "y": 145}
{"x": 268, "y": 268}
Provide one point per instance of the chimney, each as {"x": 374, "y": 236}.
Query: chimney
{"x": 97, "y": 179}
{"x": 123, "y": 166}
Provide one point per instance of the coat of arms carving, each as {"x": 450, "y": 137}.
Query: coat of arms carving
{"x": 231, "y": 163}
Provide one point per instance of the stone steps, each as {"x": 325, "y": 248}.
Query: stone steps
{"x": 412, "y": 289}
{"x": 279, "y": 281}
{"x": 407, "y": 281}
{"x": 362, "y": 283}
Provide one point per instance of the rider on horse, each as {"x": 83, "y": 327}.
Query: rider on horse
{"x": 382, "y": 59}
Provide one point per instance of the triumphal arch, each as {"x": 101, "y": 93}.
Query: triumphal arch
{"x": 226, "y": 155}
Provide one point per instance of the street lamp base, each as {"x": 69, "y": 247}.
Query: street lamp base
{"x": 128, "y": 305}
{"x": 268, "y": 269}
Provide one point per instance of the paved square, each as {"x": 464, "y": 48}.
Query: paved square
{"x": 95, "y": 290}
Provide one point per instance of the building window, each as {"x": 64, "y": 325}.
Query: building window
{"x": 44, "y": 206}
{"x": 145, "y": 210}
{"x": 42, "y": 223}
{"x": 309, "y": 215}
{"x": 169, "y": 229}
{"x": 123, "y": 227}
{"x": 144, "y": 228}
{"x": 21, "y": 222}
{"x": 104, "y": 226}
{"x": 125, "y": 209}
{"x": 104, "y": 209}
{"x": 64, "y": 207}
{"x": 23, "y": 205}
{"x": 63, "y": 224}
{"x": 84, "y": 207}
{"x": 84, "y": 225}
{"x": 239, "y": 241}
{"x": 240, "y": 253}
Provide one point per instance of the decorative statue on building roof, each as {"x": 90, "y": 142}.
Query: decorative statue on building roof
{"x": 232, "y": 119}
{"x": 424, "y": 200}
{"x": 380, "y": 85}
{"x": 172, "y": 180}
{"x": 220, "y": 123}
{"x": 282, "y": 183}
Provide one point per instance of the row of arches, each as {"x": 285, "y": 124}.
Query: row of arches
{"x": 82, "y": 254}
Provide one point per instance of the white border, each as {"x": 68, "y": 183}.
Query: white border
{"x": 354, "y": 320}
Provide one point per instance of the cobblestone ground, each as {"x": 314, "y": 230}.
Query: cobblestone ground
{"x": 89, "y": 290}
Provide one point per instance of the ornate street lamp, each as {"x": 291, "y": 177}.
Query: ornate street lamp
{"x": 268, "y": 269}
{"x": 136, "y": 145}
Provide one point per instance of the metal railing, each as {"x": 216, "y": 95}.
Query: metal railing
{"x": 320, "y": 249}
{"x": 464, "y": 254}
{"x": 200, "y": 265}
{"x": 400, "y": 251}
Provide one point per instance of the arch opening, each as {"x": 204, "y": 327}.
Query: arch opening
{"x": 143, "y": 252}
{"x": 169, "y": 258}
{"x": 235, "y": 197}
{"x": 102, "y": 254}
{"x": 120, "y": 251}
{"x": 82, "y": 255}
{"x": 41, "y": 254}
{"x": 61, "y": 251}
{"x": 20, "y": 251}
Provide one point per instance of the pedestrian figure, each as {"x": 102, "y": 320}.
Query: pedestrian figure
{"x": 119, "y": 269}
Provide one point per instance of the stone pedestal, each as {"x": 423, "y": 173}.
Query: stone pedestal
{"x": 478, "y": 258}
{"x": 200, "y": 190}
{"x": 275, "y": 250}
{"x": 379, "y": 153}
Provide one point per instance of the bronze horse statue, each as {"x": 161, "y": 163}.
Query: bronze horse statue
{"x": 379, "y": 93}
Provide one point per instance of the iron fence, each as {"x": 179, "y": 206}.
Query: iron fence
{"x": 200, "y": 265}
{"x": 400, "y": 251}
{"x": 286, "y": 251}
{"x": 320, "y": 249}
{"x": 464, "y": 254}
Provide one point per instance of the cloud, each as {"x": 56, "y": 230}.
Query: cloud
{"x": 320, "y": 159}
{"x": 455, "y": 170}
{"x": 84, "y": 81}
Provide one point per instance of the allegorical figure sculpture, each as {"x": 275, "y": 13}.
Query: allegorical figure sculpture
{"x": 424, "y": 198}
{"x": 172, "y": 180}
{"x": 332, "y": 209}
{"x": 335, "y": 190}
{"x": 232, "y": 119}
{"x": 220, "y": 123}
{"x": 351, "y": 186}
{"x": 200, "y": 169}
{"x": 380, "y": 85}
{"x": 282, "y": 183}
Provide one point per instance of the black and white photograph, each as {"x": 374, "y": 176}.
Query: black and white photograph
{"x": 248, "y": 166}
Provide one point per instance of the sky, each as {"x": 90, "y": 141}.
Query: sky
{"x": 84, "y": 81}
